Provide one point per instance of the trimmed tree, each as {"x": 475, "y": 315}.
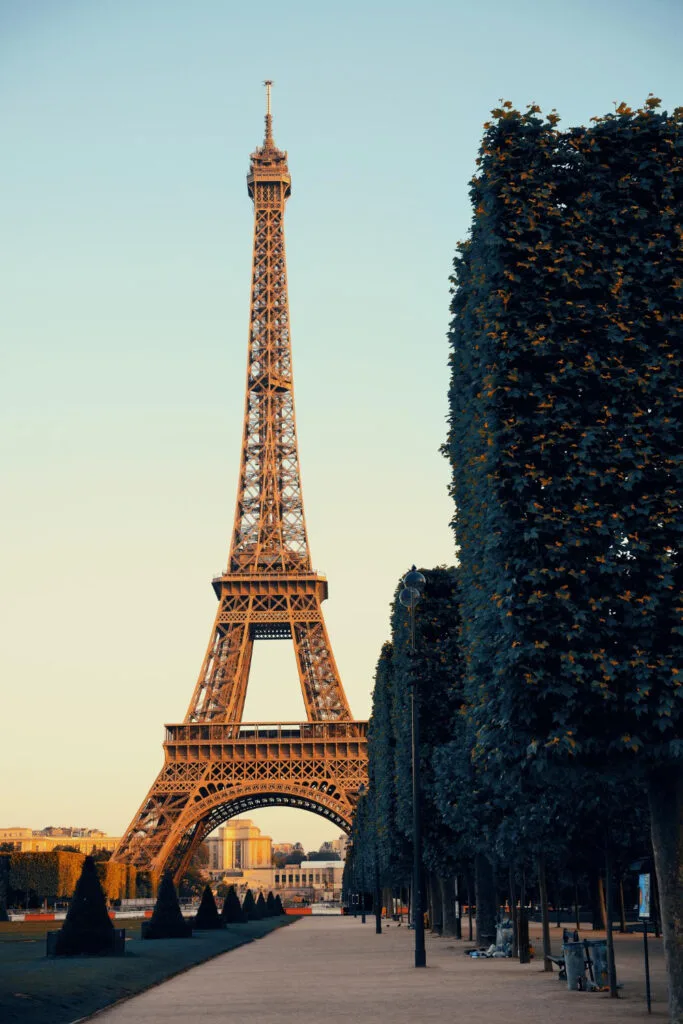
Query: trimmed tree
{"x": 249, "y": 906}
{"x": 232, "y": 912}
{"x": 565, "y": 434}
{"x": 271, "y": 908}
{"x": 167, "y": 921}
{"x": 261, "y": 909}
{"x": 4, "y": 886}
{"x": 278, "y": 905}
{"x": 87, "y": 928}
{"x": 207, "y": 916}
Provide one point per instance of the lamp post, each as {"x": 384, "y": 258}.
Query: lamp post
{"x": 413, "y": 584}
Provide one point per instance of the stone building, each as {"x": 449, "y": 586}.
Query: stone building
{"x": 84, "y": 840}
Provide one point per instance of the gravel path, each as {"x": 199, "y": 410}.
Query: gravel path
{"x": 325, "y": 970}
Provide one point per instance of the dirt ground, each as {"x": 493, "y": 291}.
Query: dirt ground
{"x": 329, "y": 969}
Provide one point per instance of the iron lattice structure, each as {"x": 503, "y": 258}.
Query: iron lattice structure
{"x": 215, "y": 765}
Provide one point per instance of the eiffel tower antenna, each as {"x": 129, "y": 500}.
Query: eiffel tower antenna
{"x": 269, "y": 117}
{"x": 215, "y": 764}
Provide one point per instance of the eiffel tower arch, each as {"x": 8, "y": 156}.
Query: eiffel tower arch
{"x": 215, "y": 765}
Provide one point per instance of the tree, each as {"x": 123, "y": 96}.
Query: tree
{"x": 87, "y": 928}
{"x": 278, "y": 905}
{"x": 249, "y": 906}
{"x": 167, "y": 921}
{"x": 207, "y": 915}
{"x": 4, "y": 886}
{"x": 271, "y": 906}
{"x": 261, "y": 909}
{"x": 194, "y": 879}
{"x": 101, "y": 855}
{"x": 319, "y": 855}
{"x": 232, "y": 912}
{"x": 565, "y": 357}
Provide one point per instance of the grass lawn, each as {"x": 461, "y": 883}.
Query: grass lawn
{"x": 35, "y": 990}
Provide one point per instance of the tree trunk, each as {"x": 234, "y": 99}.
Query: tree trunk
{"x": 602, "y": 906}
{"x": 448, "y": 929}
{"x": 486, "y": 901}
{"x": 597, "y": 919}
{"x": 665, "y": 791}
{"x": 609, "y": 915}
{"x": 469, "y": 907}
{"x": 458, "y": 907}
{"x": 514, "y": 916}
{"x": 577, "y": 912}
{"x": 523, "y": 924}
{"x": 545, "y": 919}
{"x": 622, "y": 908}
{"x": 656, "y": 909}
{"x": 435, "y": 904}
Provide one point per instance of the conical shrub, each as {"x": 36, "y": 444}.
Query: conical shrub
{"x": 232, "y": 908}
{"x": 166, "y": 922}
{"x": 249, "y": 906}
{"x": 207, "y": 916}
{"x": 271, "y": 906}
{"x": 278, "y": 904}
{"x": 88, "y": 927}
{"x": 261, "y": 909}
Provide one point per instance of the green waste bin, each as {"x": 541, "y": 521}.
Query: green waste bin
{"x": 596, "y": 949}
{"x": 574, "y": 965}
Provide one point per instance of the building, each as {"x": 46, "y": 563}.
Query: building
{"x": 239, "y": 846}
{"x": 312, "y": 881}
{"x": 84, "y": 840}
{"x": 336, "y": 846}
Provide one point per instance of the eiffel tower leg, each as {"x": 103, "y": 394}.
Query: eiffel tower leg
{"x": 221, "y": 688}
{"x": 321, "y": 686}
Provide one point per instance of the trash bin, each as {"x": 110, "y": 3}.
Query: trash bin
{"x": 596, "y": 949}
{"x": 574, "y": 965}
{"x": 504, "y": 937}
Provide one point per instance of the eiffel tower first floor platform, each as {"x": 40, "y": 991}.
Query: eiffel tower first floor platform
{"x": 214, "y": 771}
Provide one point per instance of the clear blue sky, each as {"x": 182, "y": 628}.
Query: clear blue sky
{"x": 126, "y": 127}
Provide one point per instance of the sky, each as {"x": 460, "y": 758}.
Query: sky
{"x": 126, "y": 229}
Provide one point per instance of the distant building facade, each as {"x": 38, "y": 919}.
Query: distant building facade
{"x": 239, "y": 846}
{"x": 85, "y": 840}
{"x": 312, "y": 881}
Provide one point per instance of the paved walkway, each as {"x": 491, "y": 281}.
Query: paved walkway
{"x": 324, "y": 970}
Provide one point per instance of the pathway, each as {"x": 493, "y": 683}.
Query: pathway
{"x": 324, "y": 970}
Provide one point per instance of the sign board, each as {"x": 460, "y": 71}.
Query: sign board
{"x": 643, "y": 896}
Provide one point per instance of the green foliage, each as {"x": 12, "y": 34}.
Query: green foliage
{"x": 249, "y": 906}
{"x": 4, "y": 886}
{"x": 278, "y": 905}
{"x": 114, "y": 878}
{"x": 87, "y": 928}
{"x": 207, "y": 916}
{"x": 382, "y": 832}
{"x": 271, "y": 907}
{"x": 564, "y": 434}
{"x": 261, "y": 909}
{"x": 232, "y": 912}
{"x": 167, "y": 921}
{"x": 50, "y": 875}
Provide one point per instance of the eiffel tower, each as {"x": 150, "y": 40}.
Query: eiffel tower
{"x": 215, "y": 765}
